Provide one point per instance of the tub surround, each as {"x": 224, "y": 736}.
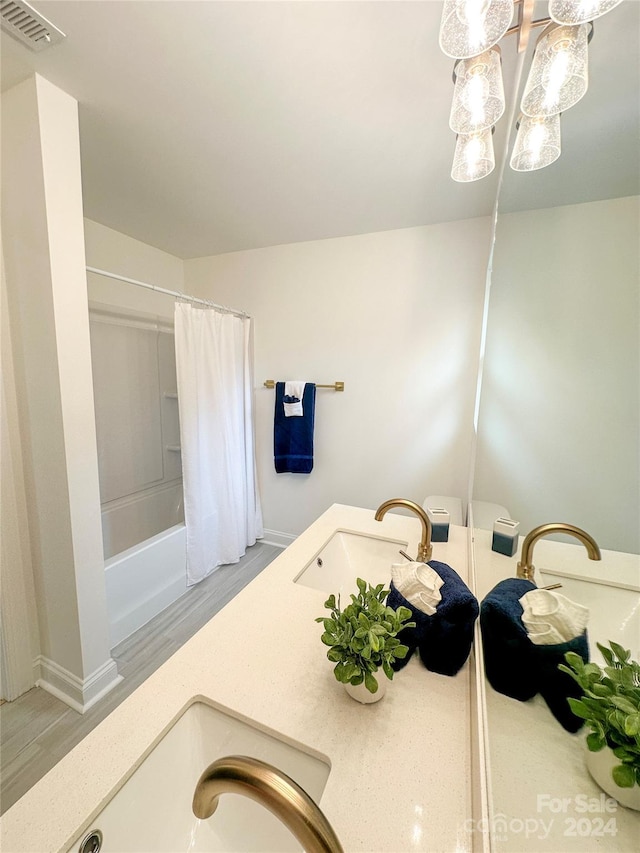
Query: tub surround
{"x": 541, "y": 789}
{"x": 400, "y": 769}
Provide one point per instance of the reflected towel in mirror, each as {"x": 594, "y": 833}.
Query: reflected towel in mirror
{"x": 508, "y": 652}
{"x": 517, "y": 667}
{"x": 552, "y": 618}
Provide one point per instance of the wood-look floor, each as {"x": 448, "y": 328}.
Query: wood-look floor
{"x": 37, "y": 730}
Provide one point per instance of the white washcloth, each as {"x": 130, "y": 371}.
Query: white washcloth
{"x": 552, "y": 618}
{"x": 294, "y": 388}
{"x": 419, "y": 584}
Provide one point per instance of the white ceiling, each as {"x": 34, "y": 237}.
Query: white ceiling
{"x": 213, "y": 126}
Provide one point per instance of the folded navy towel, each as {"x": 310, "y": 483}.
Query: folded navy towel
{"x": 509, "y": 660}
{"x": 557, "y": 686}
{"x": 443, "y": 639}
{"x": 293, "y": 437}
{"x": 519, "y": 668}
{"x": 408, "y": 636}
{"x": 446, "y": 642}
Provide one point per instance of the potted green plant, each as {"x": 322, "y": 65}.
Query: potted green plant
{"x": 362, "y": 640}
{"x": 610, "y": 705}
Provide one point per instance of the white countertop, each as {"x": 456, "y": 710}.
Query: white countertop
{"x": 541, "y": 789}
{"x": 400, "y": 775}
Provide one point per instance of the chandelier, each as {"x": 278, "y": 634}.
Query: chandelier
{"x": 558, "y": 78}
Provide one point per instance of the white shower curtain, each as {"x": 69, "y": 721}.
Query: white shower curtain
{"x": 221, "y": 500}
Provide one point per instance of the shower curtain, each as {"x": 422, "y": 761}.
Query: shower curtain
{"x": 214, "y": 357}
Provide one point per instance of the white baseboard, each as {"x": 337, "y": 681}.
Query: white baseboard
{"x": 274, "y": 537}
{"x": 79, "y": 694}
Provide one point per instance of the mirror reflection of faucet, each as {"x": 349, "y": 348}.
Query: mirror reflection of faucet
{"x": 526, "y": 569}
{"x": 526, "y": 632}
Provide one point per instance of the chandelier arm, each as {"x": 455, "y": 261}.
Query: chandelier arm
{"x": 525, "y": 23}
{"x": 542, "y": 22}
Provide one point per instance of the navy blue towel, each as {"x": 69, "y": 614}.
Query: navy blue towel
{"x": 293, "y": 437}
{"x": 557, "y": 686}
{"x": 408, "y": 636}
{"x": 444, "y": 639}
{"x": 519, "y": 668}
{"x": 508, "y": 652}
{"x": 446, "y": 644}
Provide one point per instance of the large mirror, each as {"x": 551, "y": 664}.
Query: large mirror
{"x": 558, "y": 436}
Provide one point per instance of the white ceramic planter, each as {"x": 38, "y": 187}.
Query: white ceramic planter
{"x": 599, "y": 765}
{"x": 361, "y": 694}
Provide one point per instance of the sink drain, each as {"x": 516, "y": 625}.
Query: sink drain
{"x": 91, "y": 843}
{"x": 319, "y": 562}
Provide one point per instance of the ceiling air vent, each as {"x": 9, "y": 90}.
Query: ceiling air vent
{"x": 28, "y": 26}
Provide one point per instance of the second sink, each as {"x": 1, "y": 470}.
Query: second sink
{"x": 346, "y": 556}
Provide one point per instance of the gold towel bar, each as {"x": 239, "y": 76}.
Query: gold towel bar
{"x": 337, "y": 386}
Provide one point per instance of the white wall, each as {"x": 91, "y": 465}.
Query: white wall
{"x": 112, "y": 251}
{"x": 558, "y": 429}
{"x": 395, "y": 315}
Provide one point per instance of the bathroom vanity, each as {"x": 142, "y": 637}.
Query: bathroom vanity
{"x": 440, "y": 764}
{"x": 398, "y": 772}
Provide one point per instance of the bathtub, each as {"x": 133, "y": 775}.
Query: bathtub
{"x": 143, "y": 577}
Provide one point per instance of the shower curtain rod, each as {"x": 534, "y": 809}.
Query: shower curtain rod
{"x": 174, "y": 293}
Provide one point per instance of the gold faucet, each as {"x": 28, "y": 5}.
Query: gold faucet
{"x": 526, "y": 568}
{"x": 239, "y": 774}
{"x": 425, "y": 549}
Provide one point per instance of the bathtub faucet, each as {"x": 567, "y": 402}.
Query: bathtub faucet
{"x": 425, "y": 549}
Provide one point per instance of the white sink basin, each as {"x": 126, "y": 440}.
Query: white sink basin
{"x": 346, "y": 556}
{"x": 152, "y": 810}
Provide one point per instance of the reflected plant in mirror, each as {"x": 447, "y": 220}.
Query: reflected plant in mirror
{"x": 610, "y": 706}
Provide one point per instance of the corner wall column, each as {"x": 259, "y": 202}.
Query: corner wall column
{"x": 43, "y": 245}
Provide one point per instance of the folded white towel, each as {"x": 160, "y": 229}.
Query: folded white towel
{"x": 294, "y": 388}
{"x": 552, "y": 618}
{"x": 419, "y": 584}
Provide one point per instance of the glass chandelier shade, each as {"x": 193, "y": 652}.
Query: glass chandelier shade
{"x": 574, "y": 12}
{"x": 559, "y": 73}
{"x": 469, "y": 27}
{"x": 474, "y": 157}
{"x": 478, "y": 96}
{"x": 537, "y": 143}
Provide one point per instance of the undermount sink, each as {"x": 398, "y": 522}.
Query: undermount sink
{"x": 346, "y": 556}
{"x": 152, "y": 810}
